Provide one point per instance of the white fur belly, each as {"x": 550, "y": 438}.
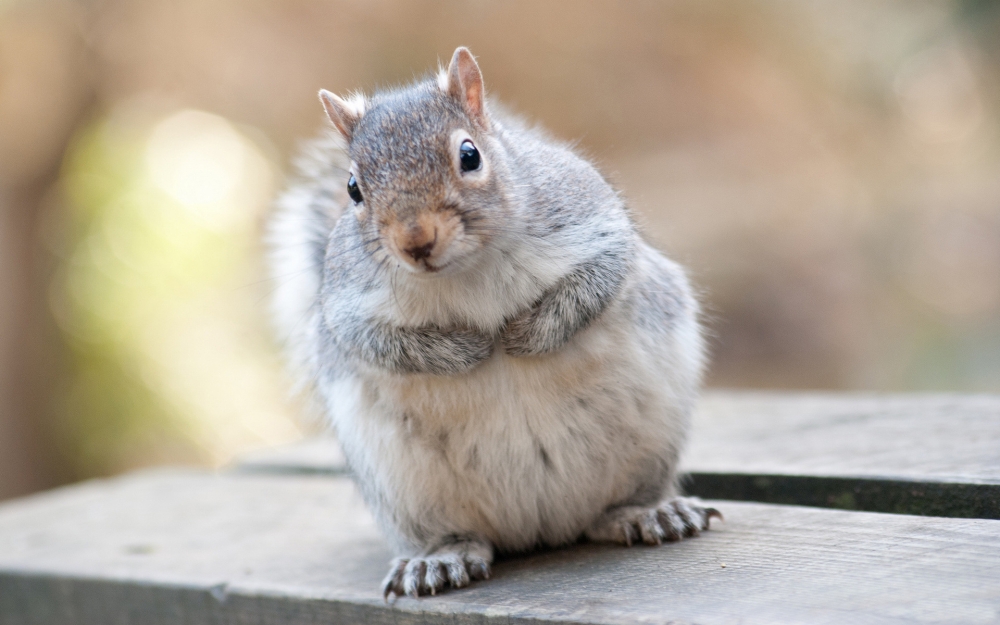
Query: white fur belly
{"x": 521, "y": 451}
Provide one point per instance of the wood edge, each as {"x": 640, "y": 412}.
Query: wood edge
{"x": 963, "y": 500}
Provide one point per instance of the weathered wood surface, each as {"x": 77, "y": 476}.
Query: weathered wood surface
{"x": 186, "y": 547}
{"x": 935, "y": 455}
{"x": 932, "y": 438}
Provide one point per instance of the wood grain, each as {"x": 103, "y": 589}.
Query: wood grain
{"x": 933, "y": 438}
{"x": 187, "y": 547}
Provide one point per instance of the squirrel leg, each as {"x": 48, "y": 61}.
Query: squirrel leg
{"x": 579, "y": 298}
{"x": 410, "y": 350}
{"x": 670, "y": 520}
{"x": 453, "y": 562}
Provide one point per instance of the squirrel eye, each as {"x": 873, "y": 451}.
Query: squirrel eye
{"x": 469, "y": 156}
{"x": 353, "y": 190}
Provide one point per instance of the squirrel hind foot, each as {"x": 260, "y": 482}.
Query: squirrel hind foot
{"x": 669, "y": 521}
{"x": 450, "y": 566}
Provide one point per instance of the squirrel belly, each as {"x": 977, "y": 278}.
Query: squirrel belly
{"x": 527, "y": 451}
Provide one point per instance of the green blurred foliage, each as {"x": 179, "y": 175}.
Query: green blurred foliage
{"x": 137, "y": 259}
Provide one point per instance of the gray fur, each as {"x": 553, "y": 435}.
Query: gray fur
{"x": 530, "y": 382}
{"x": 569, "y": 306}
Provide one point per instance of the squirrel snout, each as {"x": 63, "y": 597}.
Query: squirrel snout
{"x": 416, "y": 243}
{"x": 423, "y": 242}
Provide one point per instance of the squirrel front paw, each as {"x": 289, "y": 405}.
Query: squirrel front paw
{"x": 462, "y": 350}
{"x": 671, "y": 520}
{"x": 452, "y": 565}
{"x": 432, "y": 350}
{"x": 533, "y": 332}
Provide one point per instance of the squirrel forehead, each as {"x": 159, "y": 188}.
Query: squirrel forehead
{"x": 406, "y": 134}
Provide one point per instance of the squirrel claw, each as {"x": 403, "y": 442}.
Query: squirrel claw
{"x": 670, "y": 521}
{"x": 429, "y": 575}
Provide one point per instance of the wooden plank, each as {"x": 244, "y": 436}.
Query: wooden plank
{"x": 920, "y": 454}
{"x": 184, "y": 547}
{"x": 935, "y": 455}
{"x": 921, "y": 437}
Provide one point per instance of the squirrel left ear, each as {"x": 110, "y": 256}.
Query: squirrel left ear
{"x": 465, "y": 84}
{"x": 345, "y": 114}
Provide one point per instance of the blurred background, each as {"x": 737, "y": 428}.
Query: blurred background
{"x": 829, "y": 172}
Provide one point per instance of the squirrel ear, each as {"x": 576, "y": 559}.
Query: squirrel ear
{"x": 345, "y": 114}
{"x": 465, "y": 84}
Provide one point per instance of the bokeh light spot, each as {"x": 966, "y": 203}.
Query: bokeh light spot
{"x": 199, "y": 159}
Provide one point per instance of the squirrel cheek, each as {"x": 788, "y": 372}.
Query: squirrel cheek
{"x": 359, "y": 211}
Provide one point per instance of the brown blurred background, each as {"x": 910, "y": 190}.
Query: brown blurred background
{"x": 827, "y": 170}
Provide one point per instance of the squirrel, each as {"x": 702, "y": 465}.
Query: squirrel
{"x": 505, "y": 362}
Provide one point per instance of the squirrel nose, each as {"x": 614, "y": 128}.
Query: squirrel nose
{"x": 417, "y": 242}
{"x": 420, "y": 252}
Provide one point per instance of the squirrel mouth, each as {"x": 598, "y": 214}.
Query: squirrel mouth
{"x": 422, "y": 267}
{"x": 429, "y": 268}
{"x": 425, "y": 268}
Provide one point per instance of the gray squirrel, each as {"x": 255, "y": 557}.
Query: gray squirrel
{"x": 505, "y": 362}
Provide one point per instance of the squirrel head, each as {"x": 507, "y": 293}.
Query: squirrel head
{"x": 425, "y": 167}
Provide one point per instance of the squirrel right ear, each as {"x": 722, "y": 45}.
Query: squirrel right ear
{"x": 345, "y": 114}
{"x": 464, "y": 82}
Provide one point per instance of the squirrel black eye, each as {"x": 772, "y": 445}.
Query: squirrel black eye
{"x": 353, "y": 190}
{"x": 469, "y": 156}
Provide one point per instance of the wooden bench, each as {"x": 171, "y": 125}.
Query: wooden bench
{"x": 283, "y": 537}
